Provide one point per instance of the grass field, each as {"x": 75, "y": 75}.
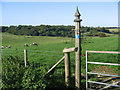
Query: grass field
{"x": 115, "y": 30}
{"x": 49, "y": 49}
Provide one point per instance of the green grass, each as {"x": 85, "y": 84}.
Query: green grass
{"x": 49, "y": 49}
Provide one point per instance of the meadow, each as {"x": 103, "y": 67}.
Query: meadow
{"x": 114, "y": 29}
{"x": 49, "y": 49}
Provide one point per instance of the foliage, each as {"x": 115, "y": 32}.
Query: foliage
{"x": 12, "y": 72}
{"x": 102, "y": 35}
{"x": 48, "y": 30}
{"x": 15, "y": 75}
{"x": 34, "y": 78}
{"x": 42, "y": 30}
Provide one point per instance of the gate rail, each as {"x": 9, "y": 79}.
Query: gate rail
{"x": 102, "y": 64}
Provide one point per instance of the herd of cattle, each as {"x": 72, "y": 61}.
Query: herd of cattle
{"x": 26, "y": 45}
{"x": 33, "y": 44}
{"x": 8, "y": 46}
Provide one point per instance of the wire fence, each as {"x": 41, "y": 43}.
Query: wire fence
{"x": 37, "y": 55}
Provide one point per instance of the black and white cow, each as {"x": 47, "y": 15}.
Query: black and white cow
{"x": 26, "y": 45}
{"x": 35, "y": 44}
{"x": 2, "y": 47}
{"x": 8, "y": 46}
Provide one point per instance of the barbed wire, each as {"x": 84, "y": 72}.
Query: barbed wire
{"x": 45, "y": 51}
{"x": 61, "y": 54}
{"x": 47, "y": 54}
{"x": 32, "y": 50}
{"x": 35, "y": 53}
{"x": 11, "y": 49}
{"x": 30, "y": 54}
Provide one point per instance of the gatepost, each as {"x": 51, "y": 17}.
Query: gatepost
{"x": 78, "y": 53}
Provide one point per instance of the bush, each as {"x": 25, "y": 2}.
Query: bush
{"x": 15, "y": 75}
{"x": 12, "y": 72}
{"x": 102, "y": 35}
{"x": 34, "y": 78}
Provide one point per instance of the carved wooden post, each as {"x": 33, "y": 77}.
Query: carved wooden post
{"x": 78, "y": 53}
{"x": 25, "y": 57}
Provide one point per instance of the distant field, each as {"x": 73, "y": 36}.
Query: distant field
{"x": 49, "y": 49}
{"x": 115, "y": 30}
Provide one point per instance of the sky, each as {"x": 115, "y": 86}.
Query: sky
{"x": 60, "y": 13}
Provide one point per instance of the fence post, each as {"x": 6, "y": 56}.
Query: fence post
{"x": 78, "y": 53}
{"x": 25, "y": 57}
{"x": 67, "y": 51}
{"x": 67, "y": 69}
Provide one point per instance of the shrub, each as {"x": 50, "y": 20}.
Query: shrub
{"x": 34, "y": 78}
{"x": 15, "y": 75}
{"x": 12, "y": 72}
{"x": 102, "y": 35}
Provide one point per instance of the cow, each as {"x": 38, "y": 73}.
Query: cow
{"x": 2, "y": 47}
{"x": 8, "y": 46}
{"x": 30, "y": 44}
{"x": 35, "y": 44}
{"x": 26, "y": 45}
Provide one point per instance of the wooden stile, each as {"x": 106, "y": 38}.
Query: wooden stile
{"x": 55, "y": 65}
{"x": 70, "y": 49}
{"x": 67, "y": 69}
{"x": 67, "y": 64}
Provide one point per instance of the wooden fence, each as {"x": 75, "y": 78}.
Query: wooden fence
{"x": 66, "y": 57}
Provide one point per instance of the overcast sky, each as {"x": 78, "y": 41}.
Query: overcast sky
{"x": 59, "y": 13}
